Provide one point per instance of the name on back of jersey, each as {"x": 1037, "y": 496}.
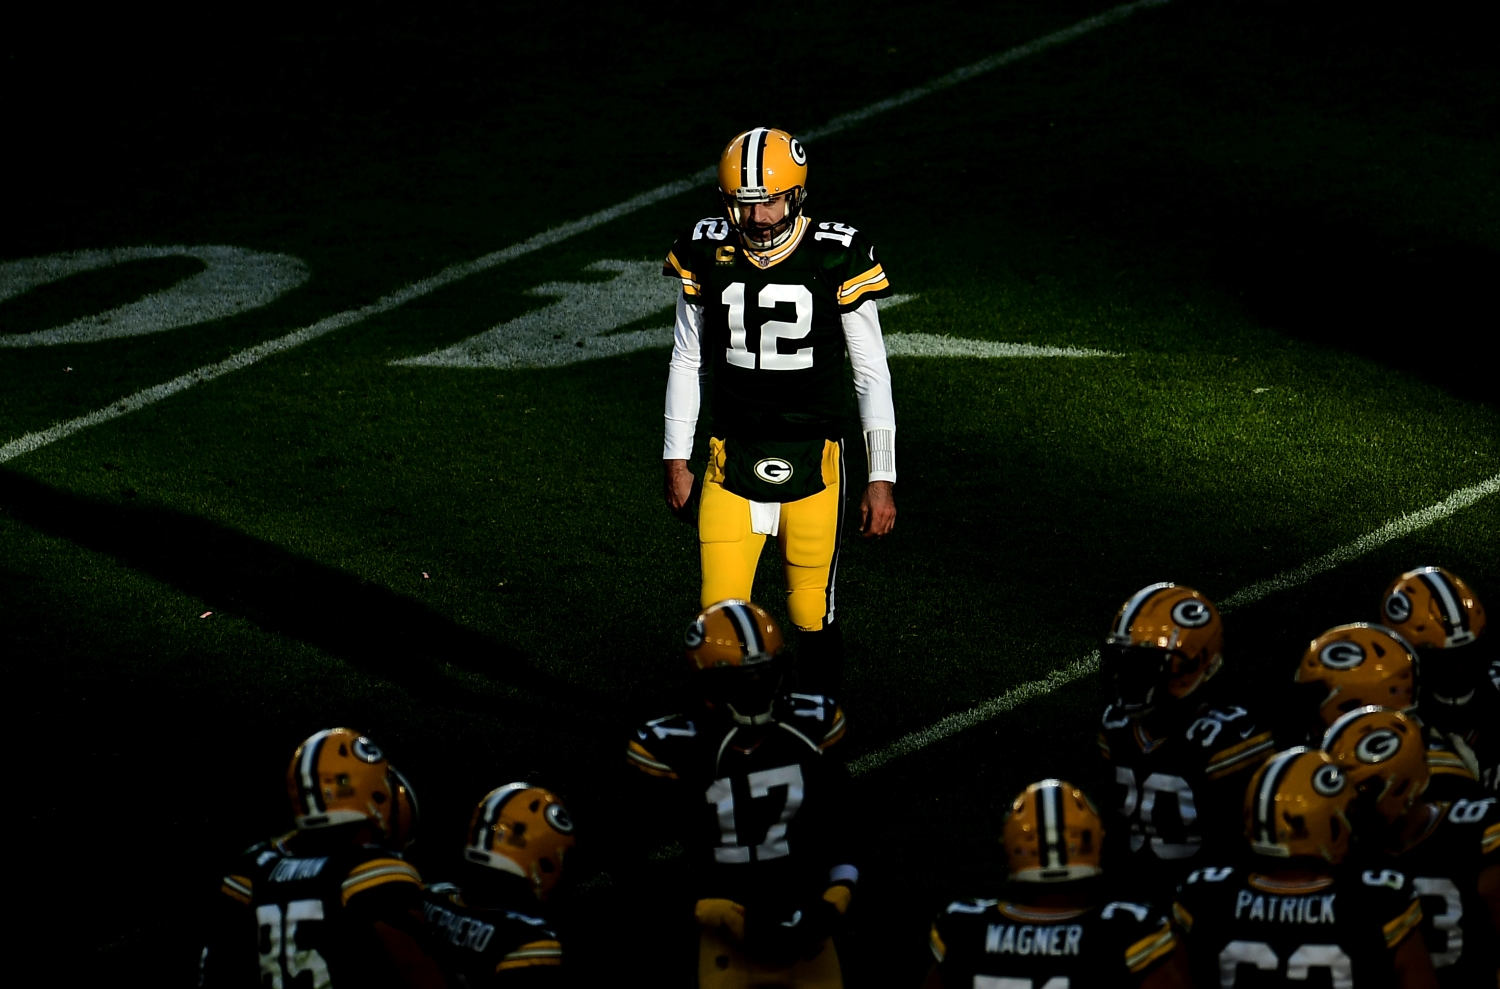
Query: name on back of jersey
{"x": 1054, "y": 940}
{"x": 1316, "y": 908}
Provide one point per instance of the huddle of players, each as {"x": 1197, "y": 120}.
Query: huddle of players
{"x": 1363, "y": 856}
{"x": 1381, "y": 827}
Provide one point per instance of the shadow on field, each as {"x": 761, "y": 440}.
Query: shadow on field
{"x": 372, "y": 628}
{"x": 1418, "y": 310}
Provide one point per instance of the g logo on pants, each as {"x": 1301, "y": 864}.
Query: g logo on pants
{"x": 773, "y": 470}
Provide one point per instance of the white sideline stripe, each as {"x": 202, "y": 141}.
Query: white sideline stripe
{"x": 1016, "y": 696}
{"x": 980, "y": 67}
{"x": 148, "y": 396}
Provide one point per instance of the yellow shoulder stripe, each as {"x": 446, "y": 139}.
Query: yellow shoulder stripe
{"x": 1149, "y": 950}
{"x": 1491, "y": 839}
{"x": 690, "y": 284}
{"x": 836, "y": 730}
{"x": 1243, "y": 755}
{"x": 870, "y": 281}
{"x": 935, "y": 942}
{"x": 638, "y": 756}
{"x": 1103, "y": 745}
{"x": 378, "y": 872}
{"x": 237, "y": 888}
{"x": 532, "y": 953}
{"x": 1183, "y": 918}
{"x": 1396, "y": 930}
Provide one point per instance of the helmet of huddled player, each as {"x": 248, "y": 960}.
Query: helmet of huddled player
{"x": 1441, "y": 616}
{"x": 1163, "y": 644}
{"x": 1382, "y": 754}
{"x": 1052, "y": 834}
{"x": 1353, "y": 666}
{"x": 523, "y": 830}
{"x": 338, "y": 776}
{"x": 1295, "y": 807}
{"x": 735, "y": 649}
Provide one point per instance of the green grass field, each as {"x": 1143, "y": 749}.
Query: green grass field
{"x": 1283, "y": 219}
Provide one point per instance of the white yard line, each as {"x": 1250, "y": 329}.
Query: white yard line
{"x": 149, "y": 396}
{"x": 1080, "y": 668}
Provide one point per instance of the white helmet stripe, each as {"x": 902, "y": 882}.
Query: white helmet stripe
{"x": 1134, "y": 606}
{"x": 1440, "y": 587}
{"x": 1265, "y": 800}
{"x": 749, "y": 630}
{"x": 312, "y": 795}
{"x": 755, "y": 154}
{"x": 485, "y": 827}
{"x": 1049, "y": 809}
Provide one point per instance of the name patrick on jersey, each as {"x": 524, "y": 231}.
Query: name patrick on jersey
{"x": 1284, "y": 909}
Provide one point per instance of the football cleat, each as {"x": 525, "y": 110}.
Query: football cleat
{"x": 1164, "y": 643}
{"x": 405, "y": 814}
{"x": 1052, "y": 834}
{"x": 1382, "y": 755}
{"x": 1442, "y": 618}
{"x": 736, "y": 647}
{"x": 524, "y": 830}
{"x": 1358, "y": 665}
{"x": 756, "y": 167}
{"x": 1295, "y": 807}
{"x": 339, "y": 776}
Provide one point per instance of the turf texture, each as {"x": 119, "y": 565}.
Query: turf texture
{"x": 1284, "y": 220}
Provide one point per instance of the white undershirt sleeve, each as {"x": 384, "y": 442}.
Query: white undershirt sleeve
{"x": 872, "y": 386}
{"x": 685, "y": 377}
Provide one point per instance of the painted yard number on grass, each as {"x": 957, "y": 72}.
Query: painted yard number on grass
{"x": 579, "y": 326}
{"x": 235, "y": 281}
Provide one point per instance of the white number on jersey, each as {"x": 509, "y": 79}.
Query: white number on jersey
{"x": 1447, "y": 922}
{"x": 1470, "y": 811}
{"x": 738, "y": 352}
{"x": 720, "y": 793}
{"x": 1140, "y": 807}
{"x": 828, "y": 230}
{"x": 1298, "y": 964}
{"x": 281, "y": 960}
{"x": 712, "y": 229}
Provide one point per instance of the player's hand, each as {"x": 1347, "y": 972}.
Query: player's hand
{"x": 677, "y": 488}
{"x": 724, "y": 914}
{"x": 877, "y": 509}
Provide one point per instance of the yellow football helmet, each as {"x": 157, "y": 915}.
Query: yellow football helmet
{"x": 1441, "y": 616}
{"x": 524, "y": 830}
{"x": 1164, "y": 643}
{"x": 1358, "y": 665}
{"x": 404, "y": 813}
{"x": 735, "y": 647}
{"x": 339, "y": 776}
{"x": 1295, "y": 807}
{"x": 1382, "y": 754}
{"x": 1052, "y": 834}
{"x": 756, "y": 167}
{"x": 1433, "y": 609}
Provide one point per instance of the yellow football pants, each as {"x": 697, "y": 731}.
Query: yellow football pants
{"x": 723, "y": 965}
{"x": 808, "y": 537}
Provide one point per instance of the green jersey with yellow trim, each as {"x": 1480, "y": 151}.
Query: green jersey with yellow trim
{"x": 1461, "y": 839}
{"x": 303, "y": 907}
{"x": 763, "y": 805}
{"x": 772, "y": 327}
{"x": 993, "y": 942}
{"x": 1253, "y": 932}
{"x": 1180, "y": 787}
{"x": 490, "y": 946}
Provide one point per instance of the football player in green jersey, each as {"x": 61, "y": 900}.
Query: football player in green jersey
{"x": 771, "y": 304}
{"x": 760, "y": 804}
{"x": 332, "y": 903}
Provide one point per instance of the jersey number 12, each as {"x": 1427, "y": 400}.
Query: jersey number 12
{"x": 771, "y": 359}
